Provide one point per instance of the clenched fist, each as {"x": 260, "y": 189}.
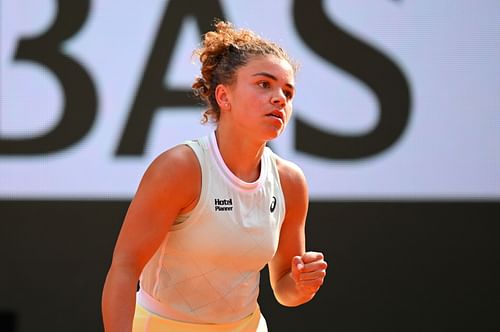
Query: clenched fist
{"x": 309, "y": 271}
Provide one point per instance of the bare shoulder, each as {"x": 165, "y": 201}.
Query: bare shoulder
{"x": 176, "y": 170}
{"x": 290, "y": 173}
{"x": 178, "y": 159}
{"x": 293, "y": 180}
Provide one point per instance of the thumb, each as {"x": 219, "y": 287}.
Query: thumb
{"x": 298, "y": 263}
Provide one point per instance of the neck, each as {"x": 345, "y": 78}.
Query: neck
{"x": 241, "y": 155}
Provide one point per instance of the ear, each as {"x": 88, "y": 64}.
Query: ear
{"x": 222, "y": 97}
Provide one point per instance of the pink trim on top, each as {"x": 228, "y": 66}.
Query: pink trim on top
{"x": 233, "y": 179}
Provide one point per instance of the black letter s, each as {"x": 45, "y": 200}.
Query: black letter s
{"x": 369, "y": 65}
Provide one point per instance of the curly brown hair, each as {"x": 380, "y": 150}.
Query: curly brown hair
{"x": 221, "y": 53}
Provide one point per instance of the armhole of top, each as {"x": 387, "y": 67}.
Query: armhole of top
{"x": 197, "y": 147}
{"x": 274, "y": 166}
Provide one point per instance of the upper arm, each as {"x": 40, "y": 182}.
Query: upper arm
{"x": 292, "y": 235}
{"x": 170, "y": 184}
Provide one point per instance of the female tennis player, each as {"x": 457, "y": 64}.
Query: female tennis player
{"x": 211, "y": 213}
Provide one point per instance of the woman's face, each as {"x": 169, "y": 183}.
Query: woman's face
{"x": 260, "y": 99}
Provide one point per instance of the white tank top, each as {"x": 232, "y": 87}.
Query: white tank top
{"x": 208, "y": 267}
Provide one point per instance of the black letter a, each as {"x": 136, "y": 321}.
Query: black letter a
{"x": 152, "y": 94}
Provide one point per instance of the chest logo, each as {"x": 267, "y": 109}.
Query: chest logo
{"x": 223, "y": 204}
{"x": 273, "y": 204}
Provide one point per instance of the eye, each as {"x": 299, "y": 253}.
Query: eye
{"x": 288, "y": 94}
{"x": 264, "y": 84}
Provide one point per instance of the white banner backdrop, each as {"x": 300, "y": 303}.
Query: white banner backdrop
{"x": 447, "y": 51}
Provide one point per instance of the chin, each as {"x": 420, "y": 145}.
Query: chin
{"x": 271, "y": 135}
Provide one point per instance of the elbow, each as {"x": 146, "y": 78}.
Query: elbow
{"x": 127, "y": 264}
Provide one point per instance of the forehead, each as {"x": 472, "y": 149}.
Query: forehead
{"x": 278, "y": 67}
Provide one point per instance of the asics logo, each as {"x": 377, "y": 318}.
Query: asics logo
{"x": 273, "y": 204}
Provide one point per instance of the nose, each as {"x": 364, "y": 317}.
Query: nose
{"x": 279, "y": 100}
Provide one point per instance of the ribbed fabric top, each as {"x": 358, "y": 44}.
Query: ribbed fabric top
{"x": 207, "y": 268}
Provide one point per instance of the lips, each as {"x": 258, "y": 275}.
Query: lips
{"x": 277, "y": 114}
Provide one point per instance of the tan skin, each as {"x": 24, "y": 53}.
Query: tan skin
{"x": 254, "y": 109}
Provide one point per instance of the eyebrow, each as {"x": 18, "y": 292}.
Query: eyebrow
{"x": 274, "y": 78}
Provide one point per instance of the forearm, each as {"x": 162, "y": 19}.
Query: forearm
{"x": 118, "y": 299}
{"x": 289, "y": 294}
